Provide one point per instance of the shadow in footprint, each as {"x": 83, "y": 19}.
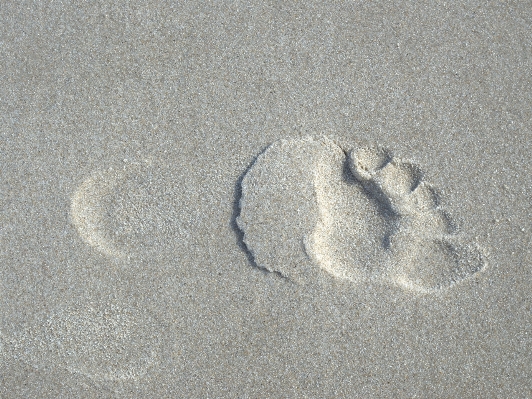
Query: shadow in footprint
{"x": 383, "y": 206}
{"x": 237, "y": 196}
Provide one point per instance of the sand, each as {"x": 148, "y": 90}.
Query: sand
{"x": 302, "y": 199}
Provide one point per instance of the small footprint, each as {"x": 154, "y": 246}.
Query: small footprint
{"x": 357, "y": 214}
{"x": 133, "y": 209}
{"x": 102, "y": 341}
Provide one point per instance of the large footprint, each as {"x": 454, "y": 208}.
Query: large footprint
{"x": 308, "y": 205}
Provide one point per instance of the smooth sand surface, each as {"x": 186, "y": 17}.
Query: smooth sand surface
{"x": 265, "y": 199}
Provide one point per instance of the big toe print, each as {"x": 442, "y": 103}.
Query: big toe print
{"x": 308, "y": 205}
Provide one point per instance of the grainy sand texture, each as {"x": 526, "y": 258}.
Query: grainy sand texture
{"x": 265, "y": 199}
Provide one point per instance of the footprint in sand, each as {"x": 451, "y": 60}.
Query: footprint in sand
{"x": 359, "y": 214}
{"x": 102, "y": 341}
{"x": 130, "y": 210}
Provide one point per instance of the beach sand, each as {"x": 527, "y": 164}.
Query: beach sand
{"x": 265, "y": 199}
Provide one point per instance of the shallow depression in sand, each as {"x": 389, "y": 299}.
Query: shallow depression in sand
{"x": 101, "y": 341}
{"x": 357, "y": 213}
{"x": 130, "y": 210}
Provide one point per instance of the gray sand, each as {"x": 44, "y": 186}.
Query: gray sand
{"x": 131, "y": 134}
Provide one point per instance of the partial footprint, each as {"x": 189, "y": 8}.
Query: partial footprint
{"x": 365, "y": 215}
{"x": 102, "y": 341}
{"x": 427, "y": 252}
{"x": 129, "y": 210}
